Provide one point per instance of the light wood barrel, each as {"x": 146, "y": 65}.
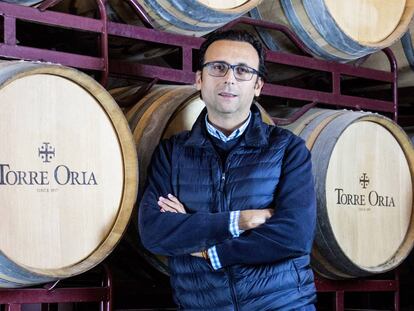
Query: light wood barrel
{"x": 404, "y": 53}
{"x": 68, "y": 173}
{"x": 337, "y": 30}
{"x": 194, "y": 18}
{"x": 363, "y": 165}
{"x": 165, "y": 111}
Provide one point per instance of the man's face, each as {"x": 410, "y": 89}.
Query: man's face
{"x": 226, "y": 97}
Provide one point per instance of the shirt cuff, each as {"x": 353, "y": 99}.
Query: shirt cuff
{"x": 234, "y": 224}
{"x": 215, "y": 261}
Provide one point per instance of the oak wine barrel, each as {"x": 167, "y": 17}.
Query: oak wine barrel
{"x": 363, "y": 165}
{"x": 68, "y": 173}
{"x": 194, "y": 18}
{"x": 336, "y": 30}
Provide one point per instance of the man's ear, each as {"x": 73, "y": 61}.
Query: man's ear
{"x": 198, "y": 80}
{"x": 258, "y": 86}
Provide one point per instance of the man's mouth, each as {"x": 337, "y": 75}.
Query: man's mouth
{"x": 227, "y": 94}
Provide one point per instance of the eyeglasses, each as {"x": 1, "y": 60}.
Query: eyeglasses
{"x": 220, "y": 69}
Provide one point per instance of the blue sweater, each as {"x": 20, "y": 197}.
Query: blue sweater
{"x": 266, "y": 268}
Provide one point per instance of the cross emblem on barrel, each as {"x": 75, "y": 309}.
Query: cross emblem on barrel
{"x": 364, "y": 180}
{"x": 46, "y": 152}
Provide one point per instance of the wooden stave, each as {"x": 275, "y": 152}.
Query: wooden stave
{"x": 296, "y": 22}
{"x": 172, "y": 20}
{"x": 332, "y": 250}
{"x": 338, "y": 39}
{"x": 163, "y": 19}
{"x": 325, "y": 268}
{"x": 125, "y": 96}
{"x": 336, "y": 47}
{"x": 19, "y": 275}
{"x": 312, "y": 131}
{"x": 135, "y": 114}
{"x": 14, "y": 276}
{"x": 298, "y": 126}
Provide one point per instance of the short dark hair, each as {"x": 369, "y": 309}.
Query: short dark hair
{"x": 235, "y": 35}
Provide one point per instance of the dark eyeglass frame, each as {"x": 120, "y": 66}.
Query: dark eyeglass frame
{"x": 229, "y": 66}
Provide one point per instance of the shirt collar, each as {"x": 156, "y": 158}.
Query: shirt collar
{"x": 220, "y": 135}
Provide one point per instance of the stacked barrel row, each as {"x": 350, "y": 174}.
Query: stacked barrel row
{"x": 341, "y": 31}
{"x": 330, "y": 29}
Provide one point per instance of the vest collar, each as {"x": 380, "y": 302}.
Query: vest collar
{"x": 254, "y": 136}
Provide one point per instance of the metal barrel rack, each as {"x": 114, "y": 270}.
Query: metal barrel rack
{"x": 341, "y": 287}
{"x": 54, "y": 293}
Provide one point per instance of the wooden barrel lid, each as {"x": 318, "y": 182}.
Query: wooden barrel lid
{"x": 363, "y": 167}
{"x": 68, "y": 173}
{"x": 367, "y": 21}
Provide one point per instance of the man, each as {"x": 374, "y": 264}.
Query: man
{"x": 232, "y": 201}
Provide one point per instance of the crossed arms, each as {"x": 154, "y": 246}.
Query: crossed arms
{"x": 166, "y": 229}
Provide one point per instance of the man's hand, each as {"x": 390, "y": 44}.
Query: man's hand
{"x": 253, "y": 218}
{"x": 171, "y": 204}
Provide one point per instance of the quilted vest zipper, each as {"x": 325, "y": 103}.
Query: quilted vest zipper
{"x": 232, "y": 290}
{"x": 222, "y": 181}
{"x": 225, "y": 207}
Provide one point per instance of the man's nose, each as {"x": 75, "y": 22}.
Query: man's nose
{"x": 229, "y": 77}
